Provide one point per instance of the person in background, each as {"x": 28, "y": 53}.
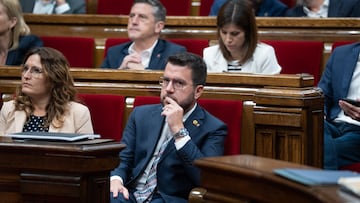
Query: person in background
{"x": 53, "y": 6}
{"x": 163, "y": 140}
{"x": 146, "y": 50}
{"x": 341, "y": 80}
{"x": 15, "y": 37}
{"x": 238, "y": 49}
{"x": 325, "y": 8}
{"x": 264, "y": 8}
{"x": 45, "y": 99}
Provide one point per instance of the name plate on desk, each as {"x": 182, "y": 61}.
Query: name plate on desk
{"x": 50, "y": 136}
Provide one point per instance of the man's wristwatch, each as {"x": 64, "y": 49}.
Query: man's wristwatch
{"x": 182, "y": 133}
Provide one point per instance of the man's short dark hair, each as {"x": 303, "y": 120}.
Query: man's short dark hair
{"x": 194, "y": 62}
{"x": 159, "y": 9}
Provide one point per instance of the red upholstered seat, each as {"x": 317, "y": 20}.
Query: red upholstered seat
{"x": 205, "y": 6}
{"x": 289, "y": 3}
{"x": 177, "y": 7}
{"x": 107, "y": 112}
{"x": 297, "y": 57}
{"x": 79, "y": 51}
{"x": 229, "y": 111}
{"x": 195, "y": 46}
{"x": 340, "y": 43}
{"x": 109, "y": 42}
{"x": 352, "y": 167}
{"x": 114, "y": 7}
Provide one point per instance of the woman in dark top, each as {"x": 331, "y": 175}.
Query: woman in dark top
{"x": 15, "y": 37}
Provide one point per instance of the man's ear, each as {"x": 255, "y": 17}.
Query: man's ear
{"x": 198, "y": 91}
{"x": 159, "y": 26}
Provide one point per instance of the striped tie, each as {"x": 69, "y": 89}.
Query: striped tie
{"x": 146, "y": 193}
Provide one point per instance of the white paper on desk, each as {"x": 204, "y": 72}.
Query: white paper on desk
{"x": 350, "y": 184}
{"x": 52, "y": 136}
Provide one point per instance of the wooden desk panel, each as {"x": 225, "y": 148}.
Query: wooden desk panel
{"x": 247, "y": 178}
{"x": 34, "y": 171}
{"x": 283, "y": 120}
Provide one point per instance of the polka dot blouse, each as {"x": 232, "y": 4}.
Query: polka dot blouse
{"x": 35, "y": 124}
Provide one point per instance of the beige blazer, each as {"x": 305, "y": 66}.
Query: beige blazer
{"x": 77, "y": 119}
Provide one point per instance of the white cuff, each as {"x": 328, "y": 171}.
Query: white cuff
{"x": 116, "y": 178}
{"x": 62, "y": 8}
{"x": 181, "y": 142}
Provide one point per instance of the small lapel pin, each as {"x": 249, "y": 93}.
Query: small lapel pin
{"x": 158, "y": 55}
{"x": 196, "y": 123}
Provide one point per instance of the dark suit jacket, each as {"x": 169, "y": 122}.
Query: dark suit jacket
{"x": 15, "y": 57}
{"x": 337, "y": 8}
{"x": 176, "y": 173}
{"x": 336, "y": 79}
{"x": 76, "y": 6}
{"x": 162, "y": 50}
{"x": 266, "y": 8}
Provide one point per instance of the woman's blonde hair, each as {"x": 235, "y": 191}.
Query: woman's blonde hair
{"x": 57, "y": 72}
{"x": 13, "y": 10}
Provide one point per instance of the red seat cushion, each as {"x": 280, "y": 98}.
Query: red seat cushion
{"x": 352, "y": 167}
{"x": 109, "y": 42}
{"x": 79, "y": 51}
{"x": 195, "y": 46}
{"x": 177, "y": 8}
{"x": 205, "y": 6}
{"x": 297, "y": 57}
{"x": 114, "y": 7}
{"x": 229, "y": 111}
{"x": 340, "y": 43}
{"x": 107, "y": 112}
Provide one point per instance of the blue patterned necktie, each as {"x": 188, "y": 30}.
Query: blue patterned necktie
{"x": 146, "y": 193}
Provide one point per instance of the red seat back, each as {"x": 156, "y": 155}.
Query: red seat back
{"x": 229, "y": 111}
{"x": 114, "y": 7}
{"x": 340, "y": 43}
{"x": 109, "y": 42}
{"x": 297, "y": 57}
{"x": 352, "y": 167}
{"x": 177, "y": 8}
{"x": 289, "y": 3}
{"x": 195, "y": 46}
{"x": 107, "y": 112}
{"x": 79, "y": 51}
{"x": 205, "y": 6}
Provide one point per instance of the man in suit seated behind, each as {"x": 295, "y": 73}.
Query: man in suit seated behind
{"x": 146, "y": 50}
{"x": 53, "y": 6}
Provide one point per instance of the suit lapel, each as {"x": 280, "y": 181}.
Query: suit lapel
{"x": 348, "y": 69}
{"x": 157, "y": 54}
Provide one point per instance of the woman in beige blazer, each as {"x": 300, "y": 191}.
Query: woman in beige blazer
{"x": 45, "y": 99}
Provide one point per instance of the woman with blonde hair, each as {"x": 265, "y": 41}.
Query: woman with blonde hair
{"x": 15, "y": 37}
{"x": 45, "y": 100}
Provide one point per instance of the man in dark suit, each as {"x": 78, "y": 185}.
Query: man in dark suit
{"x": 326, "y": 8}
{"x": 340, "y": 80}
{"x": 53, "y": 6}
{"x": 188, "y": 130}
{"x": 261, "y": 7}
{"x": 146, "y": 50}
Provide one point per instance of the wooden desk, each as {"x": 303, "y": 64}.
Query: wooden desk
{"x": 247, "y": 178}
{"x": 284, "y": 122}
{"x": 50, "y": 172}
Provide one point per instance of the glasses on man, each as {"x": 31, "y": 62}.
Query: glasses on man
{"x": 176, "y": 84}
{"x": 34, "y": 71}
